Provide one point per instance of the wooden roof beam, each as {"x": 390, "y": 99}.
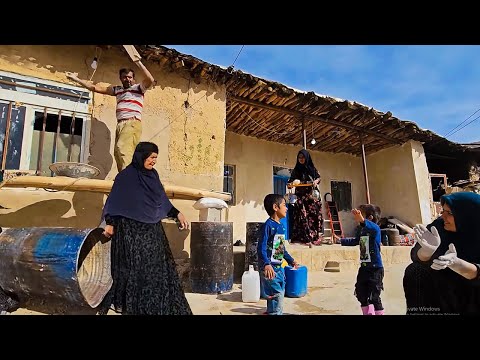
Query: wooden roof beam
{"x": 313, "y": 117}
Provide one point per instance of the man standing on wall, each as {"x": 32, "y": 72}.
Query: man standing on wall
{"x": 129, "y": 109}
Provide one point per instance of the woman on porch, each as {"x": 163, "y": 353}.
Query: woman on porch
{"x": 307, "y": 216}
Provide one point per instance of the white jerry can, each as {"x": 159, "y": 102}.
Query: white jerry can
{"x": 250, "y": 285}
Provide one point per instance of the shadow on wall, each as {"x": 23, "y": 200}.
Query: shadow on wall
{"x": 246, "y": 200}
{"x": 176, "y": 239}
{"x": 100, "y": 140}
{"x": 88, "y": 208}
{"x": 48, "y": 213}
{"x": 40, "y": 214}
{"x": 249, "y": 197}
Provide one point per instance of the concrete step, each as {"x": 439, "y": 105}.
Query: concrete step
{"x": 316, "y": 257}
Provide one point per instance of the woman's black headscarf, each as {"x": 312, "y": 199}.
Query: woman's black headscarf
{"x": 137, "y": 193}
{"x": 465, "y": 207}
{"x": 304, "y": 171}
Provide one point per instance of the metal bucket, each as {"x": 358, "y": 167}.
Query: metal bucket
{"x": 290, "y": 198}
{"x": 57, "y": 264}
{"x": 74, "y": 170}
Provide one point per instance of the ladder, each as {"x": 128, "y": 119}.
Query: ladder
{"x": 333, "y": 220}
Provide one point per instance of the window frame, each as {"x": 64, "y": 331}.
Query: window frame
{"x": 281, "y": 167}
{"x": 28, "y": 147}
{"x": 37, "y": 103}
{"x": 233, "y": 200}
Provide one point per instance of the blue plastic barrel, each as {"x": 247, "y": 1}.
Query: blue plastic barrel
{"x": 295, "y": 281}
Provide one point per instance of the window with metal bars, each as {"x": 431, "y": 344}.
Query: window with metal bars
{"x": 12, "y": 122}
{"x": 41, "y": 122}
{"x": 57, "y": 138}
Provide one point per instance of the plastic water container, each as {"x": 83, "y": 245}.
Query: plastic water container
{"x": 250, "y": 285}
{"x": 295, "y": 281}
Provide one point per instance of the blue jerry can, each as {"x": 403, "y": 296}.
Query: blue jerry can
{"x": 295, "y": 281}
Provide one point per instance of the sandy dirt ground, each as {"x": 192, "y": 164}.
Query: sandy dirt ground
{"x": 329, "y": 293}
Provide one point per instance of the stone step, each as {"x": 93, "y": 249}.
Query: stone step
{"x": 339, "y": 265}
{"x": 316, "y": 257}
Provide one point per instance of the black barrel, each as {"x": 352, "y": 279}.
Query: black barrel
{"x": 70, "y": 265}
{"x": 211, "y": 257}
{"x": 393, "y": 237}
{"x": 253, "y": 236}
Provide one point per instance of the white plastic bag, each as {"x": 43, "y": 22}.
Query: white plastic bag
{"x": 206, "y": 203}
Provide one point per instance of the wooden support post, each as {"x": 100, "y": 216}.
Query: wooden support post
{"x": 364, "y": 164}
{"x": 304, "y": 131}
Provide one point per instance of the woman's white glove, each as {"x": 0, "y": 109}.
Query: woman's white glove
{"x": 428, "y": 240}
{"x": 453, "y": 262}
{"x": 449, "y": 259}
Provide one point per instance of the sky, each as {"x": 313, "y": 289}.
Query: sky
{"x": 435, "y": 86}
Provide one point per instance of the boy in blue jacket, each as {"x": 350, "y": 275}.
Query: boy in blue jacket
{"x": 369, "y": 283}
{"x": 271, "y": 252}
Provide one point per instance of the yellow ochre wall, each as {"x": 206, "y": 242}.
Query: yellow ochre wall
{"x": 190, "y": 139}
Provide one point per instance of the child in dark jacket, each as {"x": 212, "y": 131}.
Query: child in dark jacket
{"x": 369, "y": 283}
{"x": 272, "y": 252}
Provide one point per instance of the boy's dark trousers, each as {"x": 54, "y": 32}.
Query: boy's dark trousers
{"x": 369, "y": 286}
